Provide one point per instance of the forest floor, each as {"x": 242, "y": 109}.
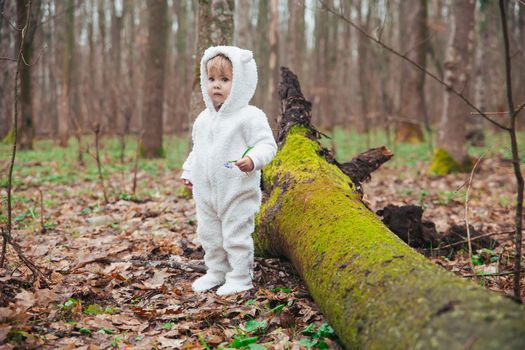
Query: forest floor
{"x": 120, "y": 273}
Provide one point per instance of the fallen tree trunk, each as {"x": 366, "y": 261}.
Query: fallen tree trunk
{"x": 376, "y": 292}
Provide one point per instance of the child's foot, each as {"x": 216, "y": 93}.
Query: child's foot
{"x": 232, "y": 287}
{"x": 208, "y": 281}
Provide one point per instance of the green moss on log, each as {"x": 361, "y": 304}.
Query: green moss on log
{"x": 377, "y": 292}
{"x": 443, "y": 163}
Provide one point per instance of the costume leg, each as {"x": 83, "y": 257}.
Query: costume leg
{"x": 215, "y": 258}
{"x": 237, "y": 229}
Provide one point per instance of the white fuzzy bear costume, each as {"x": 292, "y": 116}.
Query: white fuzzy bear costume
{"x": 226, "y": 198}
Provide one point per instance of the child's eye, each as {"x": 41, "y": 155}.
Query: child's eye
{"x": 225, "y": 80}
{"x": 211, "y": 79}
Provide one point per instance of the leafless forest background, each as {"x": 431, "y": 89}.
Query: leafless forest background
{"x": 89, "y": 62}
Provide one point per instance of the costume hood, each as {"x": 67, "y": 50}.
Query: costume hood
{"x": 244, "y": 80}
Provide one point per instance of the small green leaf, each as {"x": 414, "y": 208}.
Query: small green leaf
{"x": 307, "y": 342}
{"x": 325, "y": 331}
{"x": 255, "y": 326}
{"x": 105, "y": 331}
{"x": 85, "y": 331}
{"x": 309, "y": 329}
{"x": 277, "y": 308}
{"x": 284, "y": 290}
{"x": 477, "y": 260}
{"x": 94, "y": 309}
{"x": 167, "y": 326}
{"x": 250, "y": 302}
{"x": 241, "y": 341}
{"x": 20, "y": 217}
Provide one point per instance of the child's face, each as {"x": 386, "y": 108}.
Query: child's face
{"x": 219, "y": 84}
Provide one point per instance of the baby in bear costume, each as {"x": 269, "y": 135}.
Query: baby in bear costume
{"x": 232, "y": 141}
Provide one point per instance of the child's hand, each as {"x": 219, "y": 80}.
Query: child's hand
{"x": 245, "y": 164}
{"x": 188, "y": 183}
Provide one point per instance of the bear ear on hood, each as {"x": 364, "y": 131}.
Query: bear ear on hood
{"x": 246, "y": 56}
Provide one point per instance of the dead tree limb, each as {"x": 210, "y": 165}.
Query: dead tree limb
{"x": 376, "y": 291}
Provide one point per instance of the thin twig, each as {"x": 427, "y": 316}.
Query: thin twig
{"x": 136, "y": 165}
{"x": 97, "y": 131}
{"x": 466, "y": 212}
{"x": 418, "y": 66}
{"x": 42, "y": 224}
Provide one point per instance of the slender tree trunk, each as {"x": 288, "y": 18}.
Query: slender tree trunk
{"x": 451, "y": 154}
{"x": 65, "y": 115}
{"x": 130, "y": 95}
{"x": 115, "y": 122}
{"x": 273, "y": 41}
{"x": 102, "y": 115}
{"x": 262, "y": 53}
{"x": 413, "y": 27}
{"x": 362, "y": 50}
{"x": 182, "y": 62}
{"x": 214, "y": 27}
{"x": 475, "y": 132}
{"x": 243, "y": 26}
{"x": 27, "y": 131}
{"x": 154, "y": 88}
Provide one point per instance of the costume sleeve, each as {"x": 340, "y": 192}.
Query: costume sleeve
{"x": 260, "y": 137}
{"x": 186, "y": 166}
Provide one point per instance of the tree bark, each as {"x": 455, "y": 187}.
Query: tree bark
{"x": 376, "y": 292}
{"x": 116, "y": 121}
{"x": 362, "y": 50}
{"x": 68, "y": 66}
{"x": 273, "y": 41}
{"x": 414, "y": 38}
{"x": 451, "y": 153}
{"x": 243, "y": 24}
{"x": 214, "y": 27}
{"x": 154, "y": 85}
{"x": 25, "y": 96}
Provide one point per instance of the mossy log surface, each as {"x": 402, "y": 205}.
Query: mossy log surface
{"x": 376, "y": 292}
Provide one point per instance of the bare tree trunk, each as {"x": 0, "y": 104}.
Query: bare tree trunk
{"x": 475, "y": 125}
{"x": 413, "y": 27}
{"x": 154, "y": 88}
{"x": 182, "y": 62}
{"x": 262, "y": 53}
{"x": 451, "y": 154}
{"x": 130, "y": 94}
{"x": 115, "y": 122}
{"x": 243, "y": 26}
{"x": 27, "y": 131}
{"x": 272, "y": 104}
{"x": 65, "y": 115}
{"x": 297, "y": 42}
{"x": 362, "y": 50}
{"x": 102, "y": 115}
{"x": 214, "y": 27}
